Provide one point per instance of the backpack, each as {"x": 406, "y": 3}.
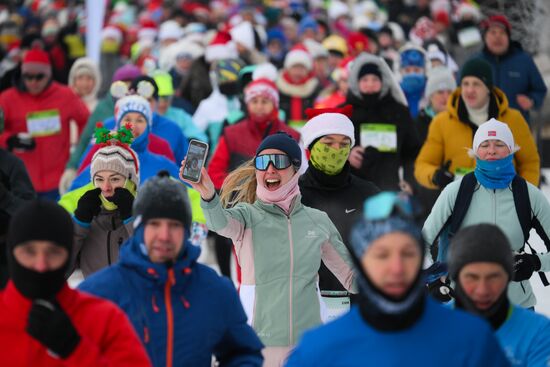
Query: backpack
{"x": 523, "y": 210}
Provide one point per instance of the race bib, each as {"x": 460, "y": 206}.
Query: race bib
{"x": 469, "y": 37}
{"x": 461, "y": 172}
{"x": 336, "y": 305}
{"x": 381, "y": 136}
{"x": 43, "y": 123}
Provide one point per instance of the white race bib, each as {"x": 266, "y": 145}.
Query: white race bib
{"x": 44, "y": 123}
{"x": 381, "y": 136}
{"x": 335, "y": 306}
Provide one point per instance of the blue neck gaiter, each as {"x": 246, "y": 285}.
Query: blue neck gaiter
{"x": 495, "y": 174}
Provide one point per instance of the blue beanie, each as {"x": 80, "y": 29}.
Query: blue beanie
{"x": 412, "y": 57}
{"x": 285, "y": 143}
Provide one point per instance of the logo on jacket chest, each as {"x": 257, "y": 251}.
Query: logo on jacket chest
{"x": 348, "y": 211}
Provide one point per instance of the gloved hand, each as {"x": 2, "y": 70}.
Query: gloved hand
{"x": 124, "y": 200}
{"x": 66, "y": 180}
{"x": 524, "y": 266}
{"x": 21, "y": 142}
{"x": 371, "y": 156}
{"x": 442, "y": 177}
{"x": 51, "y": 326}
{"x": 441, "y": 290}
{"x": 88, "y": 206}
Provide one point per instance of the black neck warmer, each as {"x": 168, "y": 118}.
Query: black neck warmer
{"x": 376, "y": 308}
{"x": 35, "y": 285}
{"x": 331, "y": 181}
{"x": 495, "y": 315}
{"x": 370, "y": 100}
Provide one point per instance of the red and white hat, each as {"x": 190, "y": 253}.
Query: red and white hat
{"x": 36, "y": 61}
{"x": 221, "y": 47}
{"x": 262, "y": 87}
{"x": 494, "y": 130}
{"x": 298, "y": 56}
{"x": 328, "y": 121}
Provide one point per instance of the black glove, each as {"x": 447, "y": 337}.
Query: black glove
{"x": 51, "y": 326}
{"x": 89, "y": 206}
{"x": 442, "y": 177}
{"x": 371, "y": 156}
{"x": 440, "y": 291}
{"x": 524, "y": 266}
{"x": 124, "y": 200}
{"x": 20, "y": 143}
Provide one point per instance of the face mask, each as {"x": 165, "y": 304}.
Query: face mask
{"x": 109, "y": 205}
{"x": 413, "y": 83}
{"x": 109, "y": 46}
{"x": 327, "y": 159}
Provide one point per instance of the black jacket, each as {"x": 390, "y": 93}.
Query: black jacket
{"x": 381, "y": 168}
{"x": 341, "y": 197}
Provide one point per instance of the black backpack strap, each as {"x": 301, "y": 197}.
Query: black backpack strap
{"x": 462, "y": 202}
{"x": 460, "y": 207}
{"x": 526, "y": 218}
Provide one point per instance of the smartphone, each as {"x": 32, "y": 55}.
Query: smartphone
{"x": 194, "y": 160}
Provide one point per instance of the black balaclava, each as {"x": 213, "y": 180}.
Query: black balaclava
{"x": 379, "y": 310}
{"x": 39, "y": 220}
{"x": 481, "y": 243}
{"x": 370, "y": 99}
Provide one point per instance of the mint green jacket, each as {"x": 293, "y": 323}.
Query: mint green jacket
{"x": 496, "y": 207}
{"x": 280, "y": 257}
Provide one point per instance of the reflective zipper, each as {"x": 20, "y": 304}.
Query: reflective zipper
{"x": 169, "y": 317}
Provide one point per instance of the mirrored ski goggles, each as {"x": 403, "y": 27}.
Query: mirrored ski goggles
{"x": 386, "y": 204}
{"x": 279, "y": 161}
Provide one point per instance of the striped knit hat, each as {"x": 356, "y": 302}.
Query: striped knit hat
{"x": 118, "y": 158}
{"x": 133, "y": 103}
{"x": 262, "y": 87}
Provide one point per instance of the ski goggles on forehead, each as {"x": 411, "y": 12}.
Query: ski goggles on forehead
{"x": 386, "y": 204}
{"x": 279, "y": 161}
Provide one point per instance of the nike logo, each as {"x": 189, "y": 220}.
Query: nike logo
{"x": 349, "y": 211}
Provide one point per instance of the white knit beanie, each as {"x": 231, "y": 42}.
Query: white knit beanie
{"x": 494, "y": 130}
{"x": 439, "y": 78}
{"x": 122, "y": 160}
{"x": 295, "y": 57}
{"x": 326, "y": 124}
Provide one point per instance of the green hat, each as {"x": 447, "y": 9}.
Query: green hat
{"x": 164, "y": 82}
{"x": 480, "y": 69}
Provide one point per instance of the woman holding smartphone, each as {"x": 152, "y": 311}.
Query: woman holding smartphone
{"x": 278, "y": 241}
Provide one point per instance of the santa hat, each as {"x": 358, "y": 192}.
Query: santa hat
{"x": 112, "y": 32}
{"x": 36, "y": 61}
{"x": 494, "y": 130}
{"x": 265, "y": 71}
{"x": 221, "y": 47}
{"x": 357, "y": 43}
{"x": 327, "y": 121}
{"x": 243, "y": 33}
{"x": 262, "y": 87}
{"x": 148, "y": 31}
{"x": 298, "y": 56}
{"x": 119, "y": 158}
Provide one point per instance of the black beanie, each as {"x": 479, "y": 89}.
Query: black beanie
{"x": 163, "y": 197}
{"x": 479, "y": 68}
{"x": 369, "y": 68}
{"x": 145, "y": 78}
{"x": 479, "y": 243}
{"x": 41, "y": 220}
{"x": 285, "y": 143}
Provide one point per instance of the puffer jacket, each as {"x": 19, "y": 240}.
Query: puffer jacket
{"x": 496, "y": 207}
{"x": 280, "y": 257}
{"x": 450, "y": 137}
{"x": 183, "y": 314}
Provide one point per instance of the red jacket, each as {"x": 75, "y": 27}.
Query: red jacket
{"x": 156, "y": 145}
{"x": 107, "y": 337}
{"x": 238, "y": 144}
{"x": 46, "y": 162}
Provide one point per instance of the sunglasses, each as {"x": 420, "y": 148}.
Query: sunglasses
{"x": 386, "y": 204}
{"x": 279, "y": 161}
{"x": 37, "y": 77}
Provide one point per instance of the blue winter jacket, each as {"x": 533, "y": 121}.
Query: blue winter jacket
{"x": 188, "y": 304}
{"x": 441, "y": 337}
{"x": 149, "y": 163}
{"x": 516, "y": 73}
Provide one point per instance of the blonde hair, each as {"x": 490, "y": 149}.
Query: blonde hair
{"x": 240, "y": 185}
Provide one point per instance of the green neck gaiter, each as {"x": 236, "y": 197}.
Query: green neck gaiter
{"x": 109, "y": 205}
{"x": 327, "y": 159}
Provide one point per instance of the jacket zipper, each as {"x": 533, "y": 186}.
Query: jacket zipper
{"x": 109, "y": 241}
{"x": 169, "y": 317}
{"x": 291, "y": 244}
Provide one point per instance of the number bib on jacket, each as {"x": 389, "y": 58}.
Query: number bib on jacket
{"x": 44, "y": 123}
{"x": 381, "y": 136}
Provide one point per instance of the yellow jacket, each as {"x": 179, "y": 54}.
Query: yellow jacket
{"x": 449, "y": 139}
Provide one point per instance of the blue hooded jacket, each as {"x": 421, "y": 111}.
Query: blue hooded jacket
{"x": 200, "y": 309}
